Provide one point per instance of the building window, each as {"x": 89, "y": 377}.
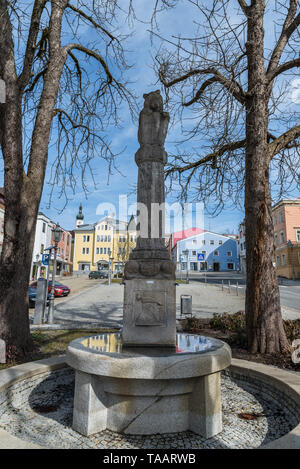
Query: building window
{"x": 276, "y": 239}
{"x": 98, "y": 238}
{"x": 277, "y": 261}
{"x": 109, "y": 251}
{"x": 298, "y": 236}
{"x": 104, "y": 250}
{"x": 109, "y": 238}
{"x": 203, "y": 241}
{"x": 194, "y": 241}
{"x": 229, "y": 254}
{"x": 106, "y": 227}
{"x": 216, "y": 253}
{"x": 281, "y": 237}
{"x": 274, "y": 220}
{"x": 42, "y": 248}
{"x": 204, "y": 252}
{"x": 101, "y": 250}
{"x": 299, "y": 257}
{"x": 220, "y": 242}
{"x": 101, "y": 238}
{"x": 283, "y": 259}
{"x": 87, "y": 250}
{"x": 97, "y": 250}
{"x": 83, "y": 250}
{"x": 105, "y": 239}
{"x": 84, "y": 238}
{"x": 230, "y": 266}
{"x": 194, "y": 253}
{"x": 44, "y": 227}
{"x": 280, "y": 217}
{"x": 88, "y": 239}
{"x": 212, "y": 241}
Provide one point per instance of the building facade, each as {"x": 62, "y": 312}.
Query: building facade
{"x": 286, "y": 221}
{"x": 207, "y": 251}
{"x": 99, "y": 245}
{"x": 43, "y": 240}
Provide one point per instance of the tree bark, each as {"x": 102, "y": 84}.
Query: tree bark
{"x": 23, "y": 191}
{"x": 263, "y": 312}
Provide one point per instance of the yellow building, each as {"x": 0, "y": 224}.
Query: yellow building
{"x": 97, "y": 244}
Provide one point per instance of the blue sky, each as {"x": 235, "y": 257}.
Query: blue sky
{"x": 123, "y": 181}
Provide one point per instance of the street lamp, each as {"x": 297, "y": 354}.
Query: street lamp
{"x": 56, "y": 235}
{"x": 186, "y": 253}
{"x": 290, "y": 245}
{"x": 110, "y": 269}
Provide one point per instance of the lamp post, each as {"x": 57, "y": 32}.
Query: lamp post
{"x": 186, "y": 253}
{"x": 56, "y": 235}
{"x": 37, "y": 265}
{"x": 109, "y": 271}
{"x": 290, "y": 245}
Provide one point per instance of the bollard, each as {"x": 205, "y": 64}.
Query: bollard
{"x": 229, "y": 289}
{"x": 2, "y": 351}
{"x": 222, "y": 285}
{"x": 40, "y": 301}
{"x": 237, "y": 288}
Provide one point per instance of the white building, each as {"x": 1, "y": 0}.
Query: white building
{"x": 207, "y": 251}
{"x": 42, "y": 241}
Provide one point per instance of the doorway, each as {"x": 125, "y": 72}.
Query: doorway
{"x": 216, "y": 266}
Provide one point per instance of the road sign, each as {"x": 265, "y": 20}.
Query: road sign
{"x": 200, "y": 257}
{"x": 45, "y": 259}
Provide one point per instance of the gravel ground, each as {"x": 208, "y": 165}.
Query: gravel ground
{"x": 40, "y": 411}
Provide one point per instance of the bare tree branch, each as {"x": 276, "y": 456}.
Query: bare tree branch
{"x": 282, "y": 142}
{"x": 231, "y": 85}
{"x": 244, "y": 6}
{"x": 91, "y": 20}
{"x": 290, "y": 25}
{"x": 25, "y": 75}
{"x": 284, "y": 67}
{"x": 93, "y": 54}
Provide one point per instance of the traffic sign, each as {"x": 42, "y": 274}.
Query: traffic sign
{"x": 200, "y": 257}
{"x": 45, "y": 259}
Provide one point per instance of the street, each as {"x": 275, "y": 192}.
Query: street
{"x": 289, "y": 290}
{"x": 103, "y": 305}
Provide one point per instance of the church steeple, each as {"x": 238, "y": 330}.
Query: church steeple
{"x": 79, "y": 217}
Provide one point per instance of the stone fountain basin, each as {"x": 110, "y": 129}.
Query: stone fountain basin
{"x": 148, "y": 390}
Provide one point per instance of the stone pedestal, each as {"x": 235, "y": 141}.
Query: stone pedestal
{"x": 149, "y": 313}
{"x": 134, "y": 392}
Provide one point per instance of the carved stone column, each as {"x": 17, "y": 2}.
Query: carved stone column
{"x": 149, "y": 275}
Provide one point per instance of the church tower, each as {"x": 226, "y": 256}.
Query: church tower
{"x": 79, "y": 217}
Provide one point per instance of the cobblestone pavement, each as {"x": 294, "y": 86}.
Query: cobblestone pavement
{"x": 40, "y": 411}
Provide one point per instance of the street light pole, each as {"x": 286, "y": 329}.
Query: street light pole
{"x": 186, "y": 253}
{"x": 56, "y": 233}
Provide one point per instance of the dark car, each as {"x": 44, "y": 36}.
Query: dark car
{"x": 32, "y": 296}
{"x": 98, "y": 274}
{"x": 59, "y": 288}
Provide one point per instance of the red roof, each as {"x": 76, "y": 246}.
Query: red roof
{"x": 183, "y": 234}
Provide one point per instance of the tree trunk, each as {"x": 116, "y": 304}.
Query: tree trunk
{"x": 265, "y": 330}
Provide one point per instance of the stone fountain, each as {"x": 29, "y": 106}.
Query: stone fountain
{"x": 148, "y": 379}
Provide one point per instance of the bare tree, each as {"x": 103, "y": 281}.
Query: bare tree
{"x": 235, "y": 87}
{"x": 62, "y": 64}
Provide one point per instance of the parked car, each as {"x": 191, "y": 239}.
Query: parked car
{"x": 98, "y": 274}
{"x": 59, "y": 288}
{"x": 32, "y": 296}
